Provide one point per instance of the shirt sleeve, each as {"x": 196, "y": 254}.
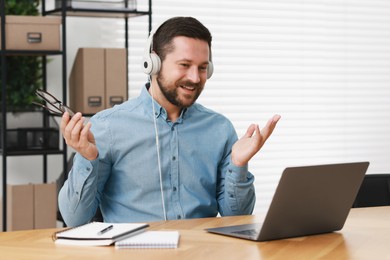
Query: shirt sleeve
{"x": 79, "y": 197}
{"x": 236, "y": 191}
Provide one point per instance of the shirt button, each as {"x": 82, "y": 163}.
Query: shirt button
{"x": 174, "y": 188}
{"x": 178, "y": 217}
{"x": 173, "y": 158}
{"x": 172, "y": 128}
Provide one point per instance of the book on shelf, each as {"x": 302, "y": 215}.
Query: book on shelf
{"x": 98, "y": 233}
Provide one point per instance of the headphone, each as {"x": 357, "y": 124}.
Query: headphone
{"x": 152, "y": 62}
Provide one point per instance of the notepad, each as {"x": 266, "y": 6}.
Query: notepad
{"x": 98, "y": 233}
{"x": 151, "y": 239}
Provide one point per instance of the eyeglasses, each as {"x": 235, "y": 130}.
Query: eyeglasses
{"x": 53, "y": 105}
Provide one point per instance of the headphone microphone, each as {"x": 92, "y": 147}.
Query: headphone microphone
{"x": 152, "y": 62}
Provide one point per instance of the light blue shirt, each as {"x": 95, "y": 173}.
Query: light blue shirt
{"x": 198, "y": 177}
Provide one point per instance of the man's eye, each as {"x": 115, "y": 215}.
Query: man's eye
{"x": 184, "y": 65}
{"x": 203, "y": 68}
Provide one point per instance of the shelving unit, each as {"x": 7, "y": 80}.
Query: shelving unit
{"x": 64, "y": 12}
{"x": 5, "y": 152}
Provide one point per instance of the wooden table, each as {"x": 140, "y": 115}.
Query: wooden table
{"x": 366, "y": 235}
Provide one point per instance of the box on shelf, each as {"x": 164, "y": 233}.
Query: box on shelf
{"x": 45, "y": 205}
{"x": 32, "y": 33}
{"x": 115, "y": 76}
{"x": 20, "y": 207}
{"x": 28, "y": 139}
{"x": 99, "y": 4}
{"x": 31, "y": 206}
{"x": 98, "y": 79}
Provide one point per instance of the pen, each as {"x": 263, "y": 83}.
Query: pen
{"x": 101, "y": 232}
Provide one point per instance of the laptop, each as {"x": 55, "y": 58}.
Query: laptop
{"x": 308, "y": 200}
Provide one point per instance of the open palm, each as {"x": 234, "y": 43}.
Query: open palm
{"x": 247, "y": 146}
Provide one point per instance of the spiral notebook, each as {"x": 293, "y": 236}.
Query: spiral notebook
{"x": 98, "y": 233}
{"x": 151, "y": 239}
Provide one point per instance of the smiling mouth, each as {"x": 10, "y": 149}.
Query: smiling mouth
{"x": 191, "y": 88}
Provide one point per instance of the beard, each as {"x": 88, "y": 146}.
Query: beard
{"x": 171, "y": 92}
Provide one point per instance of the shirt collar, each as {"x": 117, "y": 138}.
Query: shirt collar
{"x": 159, "y": 110}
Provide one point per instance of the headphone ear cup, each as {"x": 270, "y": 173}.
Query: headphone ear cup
{"x": 156, "y": 61}
{"x": 152, "y": 64}
{"x": 147, "y": 66}
{"x": 210, "y": 69}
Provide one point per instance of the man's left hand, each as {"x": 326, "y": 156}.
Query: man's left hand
{"x": 246, "y": 147}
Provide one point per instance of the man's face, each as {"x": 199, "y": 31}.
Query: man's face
{"x": 184, "y": 71}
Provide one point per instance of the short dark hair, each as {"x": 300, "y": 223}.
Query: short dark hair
{"x": 178, "y": 26}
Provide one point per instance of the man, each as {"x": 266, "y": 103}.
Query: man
{"x": 161, "y": 155}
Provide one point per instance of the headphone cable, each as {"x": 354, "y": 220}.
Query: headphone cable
{"x": 158, "y": 151}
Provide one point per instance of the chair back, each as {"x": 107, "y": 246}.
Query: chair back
{"x": 374, "y": 191}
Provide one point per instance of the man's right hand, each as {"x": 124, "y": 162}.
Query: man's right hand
{"x": 79, "y": 136}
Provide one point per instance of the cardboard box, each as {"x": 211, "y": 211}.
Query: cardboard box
{"x": 32, "y": 33}
{"x": 98, "y": 79}
{"x": 86, "y": 81}
{"x": 31, "y": 206}
{"x": 20, "y": 207}
{"x": 116, "y": 76}
{"x": 45, "y": 205}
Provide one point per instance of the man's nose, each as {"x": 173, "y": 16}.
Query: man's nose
{"x": 193, "y": 74}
